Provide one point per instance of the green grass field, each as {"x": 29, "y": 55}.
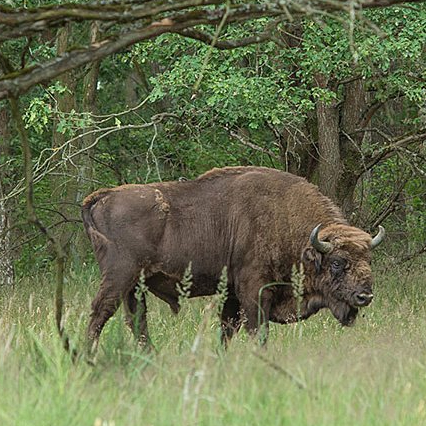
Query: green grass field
{"x": 312, "y": 373}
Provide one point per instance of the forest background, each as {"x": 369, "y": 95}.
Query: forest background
{"x": 336, "y": 97}
{"x": 133, "y": 91}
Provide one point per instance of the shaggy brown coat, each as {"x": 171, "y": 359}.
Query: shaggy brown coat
{"x": 255, "y": 221}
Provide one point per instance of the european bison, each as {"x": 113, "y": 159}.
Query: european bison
{"x": 258, "y": 222}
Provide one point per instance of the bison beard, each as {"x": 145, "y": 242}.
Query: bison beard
{"x": 258, "y": 222}
{"x": 343, "y": 312}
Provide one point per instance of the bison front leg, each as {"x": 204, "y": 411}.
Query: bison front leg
{"x": 135, "y": 308}
{"x": 230, "y": 319}
{"x": 256, "y": 303}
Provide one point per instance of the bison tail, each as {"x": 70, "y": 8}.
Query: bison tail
{"x": 96, "y": 237}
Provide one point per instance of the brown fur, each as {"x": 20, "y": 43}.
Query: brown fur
{"x": 253, "y": 220}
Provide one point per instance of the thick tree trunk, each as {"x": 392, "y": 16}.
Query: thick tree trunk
{"x": 329, "y": 163}
{"x": 352, "y": 110}
{"x": 339, "y": 145}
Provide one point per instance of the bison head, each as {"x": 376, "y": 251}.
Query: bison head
{"x": 337, "y": 266}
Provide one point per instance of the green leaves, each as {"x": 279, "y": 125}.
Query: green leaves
{"x": 238, "y": 87}
{"x": 37, "y": 115}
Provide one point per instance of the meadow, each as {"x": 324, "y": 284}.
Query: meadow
{"x": 311, "y": 373}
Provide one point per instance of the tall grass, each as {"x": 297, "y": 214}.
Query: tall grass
{"x": 371, "y": 374}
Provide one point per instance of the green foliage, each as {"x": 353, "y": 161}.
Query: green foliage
{"x": 397, "y": 59}
{"x": 261, "y": 90}
{"x": 238, "y": 87}
{"x": 42, "y": 111}
{"x": 37, "y": 115}
{"x": 324, "y": 50}
{"x": 263, "y": 86}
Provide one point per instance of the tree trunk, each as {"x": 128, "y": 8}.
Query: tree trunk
{"x": 84, "y": 163}
{"x": 329, "y": 163}
{"x": 6, "y": 261}
{"x": 66, "y": 185}
{"x": 352, "y": 110}
{"x": 339, "y": 146}
{"x": 90, "y": 84}
{"x": 297, "y": 148}
{"x": 6, "y": 256}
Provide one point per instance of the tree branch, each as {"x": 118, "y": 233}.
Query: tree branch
{"x": 231, "y": 44}
{"x": 17, "y": 83}
{"x": 20, "y": 22}
{"x": 390, "y": 206}
{"x": 393, "y": 146}
{"x": 251, "y": 145}
{"x": 137, "y": 22}
{"x": 35, "y": 220}
{"x": 44, "y": 168}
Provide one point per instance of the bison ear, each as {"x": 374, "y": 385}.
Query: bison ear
{"x": 311, "y": 256}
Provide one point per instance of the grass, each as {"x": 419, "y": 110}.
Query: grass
{"x": 312, "y": 373}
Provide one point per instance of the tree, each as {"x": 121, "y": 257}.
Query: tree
{"x": 127, "y": 23}
{"x": 321, "y": 97}
{"x": 316, "y": 108}
{"x": 6, "y": 257}
{"x": 305, "y": 91}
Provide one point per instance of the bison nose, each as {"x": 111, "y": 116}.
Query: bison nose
{"x": 363, "y": 299}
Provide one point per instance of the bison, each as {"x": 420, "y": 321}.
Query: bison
{"x": 256, "y": 221}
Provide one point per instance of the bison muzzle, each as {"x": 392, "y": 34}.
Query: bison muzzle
{"x": 258, "y": 222}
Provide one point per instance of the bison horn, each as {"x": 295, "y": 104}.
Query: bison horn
{"x": 378, "y": 238}
{"x": 321, "y": 246}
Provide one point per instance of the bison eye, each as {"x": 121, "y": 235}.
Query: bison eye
{"x": 337, "y": 266}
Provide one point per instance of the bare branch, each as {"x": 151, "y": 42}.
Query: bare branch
{"x": 251, "y": 145}
{"x": 389, "y": 150}
{"x": 44, "y": 167}
{"x": 19, "y": 22}
{"x": 391, "y": 204}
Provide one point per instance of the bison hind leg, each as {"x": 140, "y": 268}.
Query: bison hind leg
{"x": 104, "y": 306}
{"x": 115, "y": 284}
